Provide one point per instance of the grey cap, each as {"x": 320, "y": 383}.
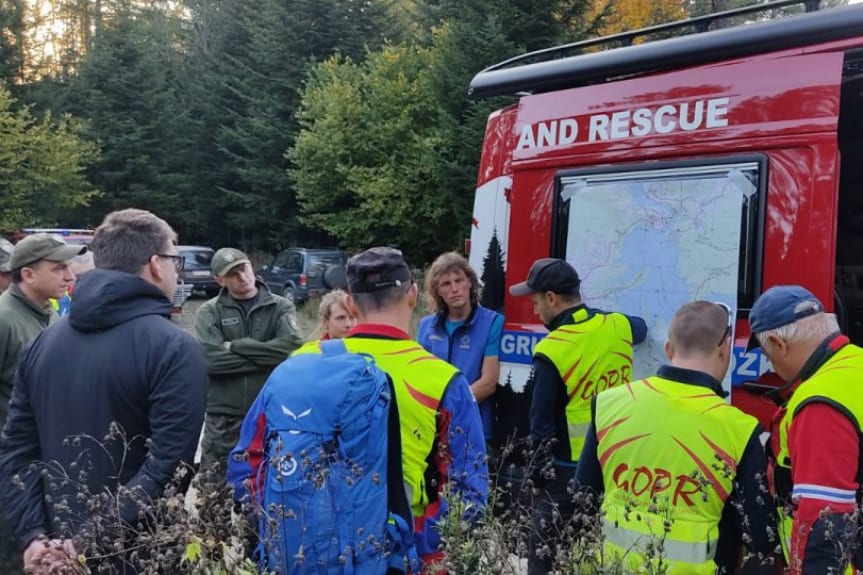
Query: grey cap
{"x": 43, "y": 246}
{"x": 227, "y": 259}
{"x": 6, "y": 248}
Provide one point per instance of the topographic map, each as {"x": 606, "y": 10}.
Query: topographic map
{"x": 645, "y": 248}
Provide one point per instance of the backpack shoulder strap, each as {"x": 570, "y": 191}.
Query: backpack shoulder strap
{"x": 397, "y": 498}
{"x": 333, "y": 347}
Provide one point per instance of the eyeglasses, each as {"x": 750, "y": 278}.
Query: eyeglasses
{"x": 178, "y": 260}
{"x": 730, "y": 325}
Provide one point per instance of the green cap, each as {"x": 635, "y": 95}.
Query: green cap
{"x": 6, "y": 248}
{"x": 227, "y": 259}
{"x": 42, "y": 246}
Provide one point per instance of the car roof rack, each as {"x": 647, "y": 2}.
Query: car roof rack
{"x": 557, "y": 68}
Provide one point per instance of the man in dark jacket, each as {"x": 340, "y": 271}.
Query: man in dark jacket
{"x": 113, "y": 395}
{"x": 246, "y": 331}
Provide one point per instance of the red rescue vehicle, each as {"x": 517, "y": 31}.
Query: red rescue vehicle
{"x": 711, "y": 165}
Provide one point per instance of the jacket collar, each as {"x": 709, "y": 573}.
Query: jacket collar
{"x": 692, "y": 377}
{"x": 16, "y": 292}
{"x": 565, "y": 317}
{"x": 441, "y": 317}
{"x": 265, "y": 296}
{"x": 377, "y": 331}
{"x": 825, "y": 350}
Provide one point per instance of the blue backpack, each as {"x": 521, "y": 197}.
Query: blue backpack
{"x": 334, "y": 500}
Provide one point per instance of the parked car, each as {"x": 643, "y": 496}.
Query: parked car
{"x": 70, "y": 236}
{"x": 298, "y": 273}
{"x": 196, "y": 269}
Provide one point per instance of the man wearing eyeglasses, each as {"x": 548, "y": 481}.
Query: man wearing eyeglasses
{"x": 120, "y": 377}
{"x": 246, "y": 331}
{"x": 681, "y": 470}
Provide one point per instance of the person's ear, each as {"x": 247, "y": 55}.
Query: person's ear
{"x": 669, "y": 350}
{"x": 413, "y": 296}
{"x": 778, "y": 346}
{"x": 220, "y": 280}
{"x": 725, "y": 350}
{"x": 27, "y": 275}
{"x": 154, "y": 268}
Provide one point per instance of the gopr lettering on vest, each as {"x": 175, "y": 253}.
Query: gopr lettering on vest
{"x": 591, "y": 355}
{"x": 419, "y": 380}
{"x": 669, "y": 453}
{"x": 835, "y": 383}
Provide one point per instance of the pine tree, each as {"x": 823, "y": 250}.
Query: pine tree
{"x": 493, "y": 276}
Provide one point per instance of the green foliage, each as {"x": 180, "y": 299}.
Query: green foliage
{"x": 11, "y": 41}
{"x": 41, "y": 167}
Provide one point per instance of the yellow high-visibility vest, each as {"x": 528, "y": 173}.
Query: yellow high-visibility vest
{"x": 836, "y": 383}
{"x": 669, "y": 453}
{"x": 591, "y": 355}
{"x": 419, "y": 379}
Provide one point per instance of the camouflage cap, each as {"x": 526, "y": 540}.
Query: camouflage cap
{"x": 42, "y": 246}
{"x": 6, "y": 248}
{"x": 227, "y": 259}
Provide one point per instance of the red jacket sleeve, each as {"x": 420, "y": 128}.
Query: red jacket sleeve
{"x": 824, "y": 447}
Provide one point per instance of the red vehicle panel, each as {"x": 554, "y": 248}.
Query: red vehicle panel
{"x": 789, "y": 110}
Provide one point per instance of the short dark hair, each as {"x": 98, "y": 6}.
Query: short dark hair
{"x": 382, "y": 298}
{"x": 697, "y": 327}
{"x": 127, "y": 239}
{"x": 16, "y": 276}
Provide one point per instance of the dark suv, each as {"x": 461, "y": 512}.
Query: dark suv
{"x": 298, "y": 273}
{"x": 196, "y": 269}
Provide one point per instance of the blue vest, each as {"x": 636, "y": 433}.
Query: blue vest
{"x": 465, "y": 350}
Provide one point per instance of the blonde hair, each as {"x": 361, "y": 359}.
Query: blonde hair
{"x": 325, "y": 309}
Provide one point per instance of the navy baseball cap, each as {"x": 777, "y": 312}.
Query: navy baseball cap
{"x": 375, "y": 269}
{"x": 548, "y": 274}
{"x": 778, "y": 306}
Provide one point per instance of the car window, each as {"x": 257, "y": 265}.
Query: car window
{"x": 320, "y": 262}
{"x": 197, "y": 259}
{"x": 289, "y": 260}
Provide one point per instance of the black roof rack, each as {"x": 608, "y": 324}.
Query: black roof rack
{"x": 553, "y": 69}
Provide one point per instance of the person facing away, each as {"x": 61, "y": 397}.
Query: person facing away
{"x": 6, "y": 248}
{"x": 245, "y": 331}
{"x": 79, "y": 265}
{"x": 30, "y": 274}
{"x": 112, "y": 394}
{"x": 585, "y": 352}
{"x": 815, "y": 442}
{"x": 441, "y": 430}
{"x": 462, "y": 332}
{"x": 670, "y": 448}
{"x": 334, "y": 319}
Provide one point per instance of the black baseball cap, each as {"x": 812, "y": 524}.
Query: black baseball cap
{"x": 549, "y": 274}
{"x": 376, "y": 269}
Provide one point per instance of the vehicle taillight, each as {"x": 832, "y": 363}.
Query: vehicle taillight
{"x": 303, "y": 279}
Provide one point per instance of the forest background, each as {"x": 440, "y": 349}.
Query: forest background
{"x": 269, "y": 123}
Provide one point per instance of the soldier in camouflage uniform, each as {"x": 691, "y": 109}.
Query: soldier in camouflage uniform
{"x": 246, "y": 331}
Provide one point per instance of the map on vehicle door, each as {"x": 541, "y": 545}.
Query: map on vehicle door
{"x": 645, "y": 248}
